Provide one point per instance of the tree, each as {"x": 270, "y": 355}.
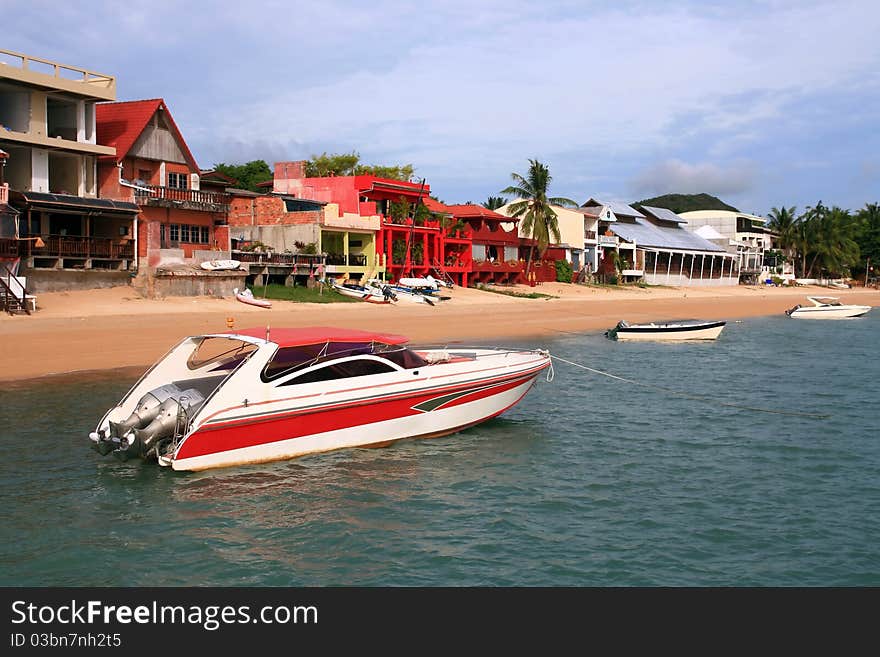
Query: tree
{"x": 869, "y": 234}
{"x": 784, "y": 223}
{"x": 247, "y": 176}
{"x": 349, "y": 164}
{"x": 494, "y": 202}
{"x": 534, "y": 208}
{"x": 828, "y": 240}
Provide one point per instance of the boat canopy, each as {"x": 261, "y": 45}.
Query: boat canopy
{"x": 298, "y": 337}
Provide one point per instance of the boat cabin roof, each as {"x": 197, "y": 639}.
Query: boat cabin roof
{"x": 298, "y": 337}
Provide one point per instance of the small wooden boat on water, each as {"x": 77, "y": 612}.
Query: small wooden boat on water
{"x": 679, "y": 329}
{"x": 246, "y": 296}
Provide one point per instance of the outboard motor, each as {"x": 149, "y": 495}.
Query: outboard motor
{"x": 171, "y": 414}
{"x": 147, "y": 409}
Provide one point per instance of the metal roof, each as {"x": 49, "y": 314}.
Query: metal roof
{"x": 644, "y": 233}
{"x": 74, "y": 202}
{"x": 620, "y": 209}
{"x": 664, "y": 214}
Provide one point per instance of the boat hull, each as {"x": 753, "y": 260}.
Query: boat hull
{"x": 709, "y": 331}
{"x": 309, "y": 431}
{"x": 832, "y": 312}
{"x": 364, "y": 295}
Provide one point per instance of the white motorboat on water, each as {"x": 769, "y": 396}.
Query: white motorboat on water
{"x": 256, "y": 395}
{"x": 826, "y": 308}
{"x": 679, "y": 329}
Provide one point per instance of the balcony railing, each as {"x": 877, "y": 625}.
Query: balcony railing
{"x": 63, "y": 246}
{"x": 608, "y": 240}
{"x": 187, "y": 199}
{"x": 499, "y": 265}
{"x": 351, "y": 260}
{"x": 301, "y": 259}
{"x": 4, "y": 193}
{"x": 589, "y": 234}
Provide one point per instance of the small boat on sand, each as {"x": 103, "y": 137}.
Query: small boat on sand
{"x": 246, "y": 296}
{"x": 678, "y": 329}
{"x": 368, "y": 293}
{"x": 220, "y": 265}
{"x": 255, "y": 395}
{"x": 826, "y": 308}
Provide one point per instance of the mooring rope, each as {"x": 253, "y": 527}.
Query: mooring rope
{"x": 820, "y": 416}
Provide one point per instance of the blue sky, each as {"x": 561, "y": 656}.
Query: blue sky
{"x": 762, "y": 103}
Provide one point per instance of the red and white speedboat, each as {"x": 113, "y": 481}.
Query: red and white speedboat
{"x": 257, "y": 395}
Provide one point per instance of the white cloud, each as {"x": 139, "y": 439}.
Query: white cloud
{"x": 676, "y": 177}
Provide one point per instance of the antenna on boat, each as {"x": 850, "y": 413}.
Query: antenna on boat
{"x": 267, "y": 333}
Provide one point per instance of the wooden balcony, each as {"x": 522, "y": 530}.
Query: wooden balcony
{"x": 63, "y": 246}
{"x": 498, "y": 266}
{"x": 185, "y": 199}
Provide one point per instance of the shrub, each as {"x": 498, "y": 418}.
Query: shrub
{"x": 563, "y": 271}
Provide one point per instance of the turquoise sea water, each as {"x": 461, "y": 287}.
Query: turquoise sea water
{"x": 587, "y": 482}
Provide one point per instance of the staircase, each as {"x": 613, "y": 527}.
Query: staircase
{"x": 441, "y": 273}
{"x": 9, "y": 301}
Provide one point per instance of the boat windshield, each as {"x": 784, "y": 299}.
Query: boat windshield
{"x": 290, "y": 359}
{"x": 223, "y": 353}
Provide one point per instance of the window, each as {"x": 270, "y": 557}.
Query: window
{"x": 174, "y": 232}
{"x": 177, "y": 180}
{"x": 144, "y": 175}
{"x": 341, "y": 371}
{"x": 184, "y": 233}
{"x": 204, "y": 231}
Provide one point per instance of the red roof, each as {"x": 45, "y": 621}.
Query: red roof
{"x": 436, "y": 206}
{"x": 120, "y": 124}
{"x": 297, "y": 337}
{"x": 469, "y": 210}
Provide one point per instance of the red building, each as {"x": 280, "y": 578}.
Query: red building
{"x": 409, "y": 239}
{"x": 494, "y": 251}
{"x": 154, "y": 167}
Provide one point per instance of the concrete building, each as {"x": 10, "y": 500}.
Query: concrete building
{"x": 740, "y": 233}
{"x": 48, "y": 130}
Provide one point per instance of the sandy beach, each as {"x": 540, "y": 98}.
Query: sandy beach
{"x": 114, "y": 328}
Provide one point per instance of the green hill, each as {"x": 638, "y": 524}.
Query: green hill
{"x": 686, "y": 202}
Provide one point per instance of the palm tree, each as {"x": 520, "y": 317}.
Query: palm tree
{"x": 494, "y": 202}
{"x": 833, "y": 242}
{"x": 784, "y": 224}
{"x": 539, "y": 219}
{"x": 869, "y": 235}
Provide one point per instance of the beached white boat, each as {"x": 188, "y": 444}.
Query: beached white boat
{"x": 246, "y": 296}
{"x": 368, "y": 293}
{"x": 257, "y": 395}
{"x": 220, "y": 265}
{"x": 826, "y": 308}
{"x": 680, "y": 329}
{"x": 423, "y": 282}
{"x": 425, "y": 296}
